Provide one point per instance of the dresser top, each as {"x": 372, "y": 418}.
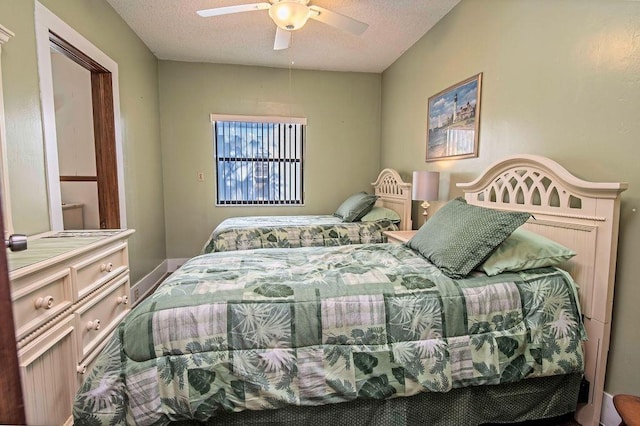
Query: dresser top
{"x": 51, "y": 245}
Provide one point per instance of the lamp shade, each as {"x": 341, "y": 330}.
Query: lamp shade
{"x": 426, "y": 185}
{"x": 289, "y": 14}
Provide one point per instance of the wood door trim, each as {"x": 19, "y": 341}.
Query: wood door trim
{"x": 60, "y": 45}
{"x": 78, "y": 178}
{"x": 105, "y": 141}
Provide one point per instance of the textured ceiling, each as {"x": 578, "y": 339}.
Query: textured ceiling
{"x": 172, "y": 30}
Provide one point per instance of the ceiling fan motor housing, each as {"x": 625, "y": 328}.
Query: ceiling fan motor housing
{"x": 290, "y": 15}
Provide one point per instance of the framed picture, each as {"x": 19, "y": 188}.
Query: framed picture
{"x": 453, "y": 118}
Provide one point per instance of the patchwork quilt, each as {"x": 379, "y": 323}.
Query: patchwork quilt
{"x": 252, "y": 232}
{"x": 264, "y": 329}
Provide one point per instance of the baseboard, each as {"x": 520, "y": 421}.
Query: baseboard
{"x": 174, "y": 264}
{"x": 609, "y": 416}
{"x": 140, "y": 289}
{"x": 147, "y": 284}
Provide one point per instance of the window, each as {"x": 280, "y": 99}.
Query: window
{"x": 259, "y": 160}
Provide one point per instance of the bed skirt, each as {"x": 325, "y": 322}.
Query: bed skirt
{"x": 531, "y": 399}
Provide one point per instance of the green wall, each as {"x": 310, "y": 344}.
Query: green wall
{"x": 342, "y": 153}
{"x": 25, "y": 149}
{"x": 560, "y": 79}
{"x": 138, "y": 72}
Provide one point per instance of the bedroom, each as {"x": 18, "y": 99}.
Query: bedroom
{"x": 560, "y": 80}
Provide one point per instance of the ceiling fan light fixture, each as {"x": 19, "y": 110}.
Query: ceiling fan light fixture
{"x": 289, "y": 15}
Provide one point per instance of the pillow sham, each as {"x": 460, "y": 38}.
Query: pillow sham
{"x": 381, "y": 213}
{"x": 356, "y": 206}
{"x": 525, "y": 250}
{"x": 460, "y": 236}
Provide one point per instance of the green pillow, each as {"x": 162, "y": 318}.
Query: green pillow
{"x": 525, "y": 250}
{"x": 381, "y": 213}
{"x": 459, "y": 236}
{"x": 356, "y": 206}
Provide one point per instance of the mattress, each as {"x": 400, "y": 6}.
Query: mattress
{"x": 265, "y": 329}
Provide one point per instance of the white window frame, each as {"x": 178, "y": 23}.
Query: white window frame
{"x": 259, "y": 119}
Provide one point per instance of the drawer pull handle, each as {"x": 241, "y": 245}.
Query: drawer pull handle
{"x": 106, "y": 267}
{"x": 122, "y": 300}
{"x": 93, "y": 325}
{"x": 44, "y": 302}
{"x": 82, "y": 368}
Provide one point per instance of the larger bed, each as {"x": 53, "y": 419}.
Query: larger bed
{"x": 375, "y": 332}
{"x": 251, "y": 232}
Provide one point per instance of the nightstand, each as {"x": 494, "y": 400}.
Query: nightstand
{"x": 399, "y": 237}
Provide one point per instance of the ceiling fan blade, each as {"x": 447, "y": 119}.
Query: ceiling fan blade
{"x": 205, "y": 13}
{"x": 283, "y": 39}
{"x": 337, "y": 20}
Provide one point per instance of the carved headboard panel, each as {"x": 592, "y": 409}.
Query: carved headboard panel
{"x": 395, "y": 194}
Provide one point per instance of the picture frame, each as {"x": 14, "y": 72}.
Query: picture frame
{"x": 453, "y": 121}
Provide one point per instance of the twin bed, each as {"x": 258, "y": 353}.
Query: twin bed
{"x": 245, "y": 233}
{"x": 377, "y": 333}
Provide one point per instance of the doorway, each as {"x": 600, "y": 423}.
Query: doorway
{"x": 84, "y": 160}
{"x": 84, "y": 132}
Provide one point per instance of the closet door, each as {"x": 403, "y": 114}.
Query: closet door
{"x": 11, "y": 404}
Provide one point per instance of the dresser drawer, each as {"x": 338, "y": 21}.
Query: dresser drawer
{"x": 100, "y": 314}
{"x": 85, "y": 366}
{"x": 36, "y": 302}
{"x": 95, "y": 269}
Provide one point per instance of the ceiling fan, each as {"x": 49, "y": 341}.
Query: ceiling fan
{"x": 291, "y": 15}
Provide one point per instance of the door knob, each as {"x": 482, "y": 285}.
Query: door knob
{"x": 16, "y": 242}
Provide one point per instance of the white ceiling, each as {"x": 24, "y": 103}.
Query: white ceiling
{"x": 173, "y": 31}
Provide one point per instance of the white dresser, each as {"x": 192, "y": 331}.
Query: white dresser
{"x": 69, "y": 290}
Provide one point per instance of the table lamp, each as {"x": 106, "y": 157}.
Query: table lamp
{"x": 426, "y": 186}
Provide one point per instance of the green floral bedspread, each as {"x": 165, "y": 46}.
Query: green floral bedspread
{"x": 252, "y": 232}
{"x": 262, "y": 329}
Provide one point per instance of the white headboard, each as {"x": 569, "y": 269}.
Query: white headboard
{"x": 395, "y": 194}
{"x": 581, "y": 215}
